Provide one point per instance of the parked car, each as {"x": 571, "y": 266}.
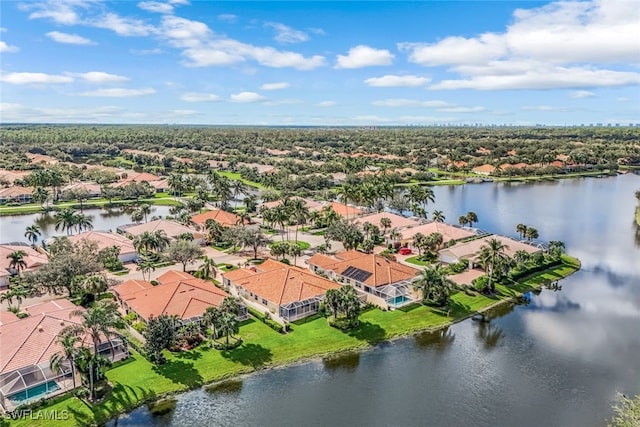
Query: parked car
{"x": 405, "y": 251}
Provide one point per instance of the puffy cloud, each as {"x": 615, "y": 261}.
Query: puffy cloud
{"x": 156, "y": 7}
{"x": 34, "y": 78}
{"x": 67, "y": 38}
{"x": 122, "y": 26}
{"x": 275, "y": 86}
{"x": 199, "y": 97}
{"x": 580, "y": 94}
{"x": 364, "y": 56}
{"x": 101, "y": 77}
{"x": 58, "y": 11}
{"x": 558, "y": 45}
{"x": 20, "y": 113}
{"x": 120, "y": 92}
{"x": 286, "y": 34}
{"x": 247, "y": 97}
{"x": 4, "y": 47}
{"x": 397, "y": 81}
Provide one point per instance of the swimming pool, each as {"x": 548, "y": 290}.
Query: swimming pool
{"x": 33, "y": 393}
{"x": 399, "y": 301}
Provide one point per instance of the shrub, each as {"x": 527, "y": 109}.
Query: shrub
{"x": 140, "y": 327}
{"x": 481, "y": 283}
{"x": 130, "y": 318}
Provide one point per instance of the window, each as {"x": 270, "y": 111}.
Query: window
{"x": 358, "y": 285}
{"x": 264, "y": 301}
{"x": 255, "y": 297}
{"x": 367, "y": 289}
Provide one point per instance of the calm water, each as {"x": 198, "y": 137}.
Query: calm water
{"x": 555, "y": 362}
{"x": 12, "y": 227}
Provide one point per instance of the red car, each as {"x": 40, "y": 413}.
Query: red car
{"x": 405, "y": 251}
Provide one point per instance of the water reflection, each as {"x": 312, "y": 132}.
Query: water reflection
{"x": 348, "y": 361}
{"x": 488, "y": 334}
{"x": 439, "y": 340}
{"x": 225, "y": 387}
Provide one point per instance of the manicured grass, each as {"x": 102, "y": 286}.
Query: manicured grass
{"x": 303, "y": 245}
{"x": 136, "y": 380}
{"x": 417, "y": 261}
{"x": 237, "y": 177}
{"x": 161, "y": 199}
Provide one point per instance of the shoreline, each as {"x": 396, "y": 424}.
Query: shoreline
{"x": 115, "y": 405}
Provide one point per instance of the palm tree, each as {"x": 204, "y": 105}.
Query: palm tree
{"x": 32, "y": 233}
{"x": 238, "y": 187}
{"x": 18, "y": 292}
{"x": 40, "y": 195}
{"x": 69, "y": 341}
{"x": 438, "y": 216}
{"x": 94, "y": 285}
{"x": 345, "y": 193}
{"x": 395, "y": 235}
{"x": 491, "y": 256}
{"x": 281, "y": 216}
{"x": 463, "y": 220}
{"x": 146, "y": 265}
{"x": 299, "y": 213}
{"x": 434, "y": 285}
{"x": 471, "y": 218}
{"x": 521, "y": 228}
{"x": 17, "y": 262}
{"x": 207, "y": 269}
{"x": 228, "y": 325}
{"x": 176, "y": 184}
{"x": 385, "y": 224}
{"x": 531, "y": 233}
{"x": 214, "y": 229}
{"x": 83, "y": 222}
{"x": 255, "y": 239}
{"x": 521, "y": 257}
{"x": 556, "y": 248}
{"x": 145, "y": 210}
{"x": 144, "y": 242}
{"x": 211, "y": 317}
{"x": 65, "y": 220}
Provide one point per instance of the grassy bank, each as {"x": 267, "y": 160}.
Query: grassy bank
{"x": 237, "y": 177}
{"x": 136, "y": 380}
{"x": 32, "y": 208}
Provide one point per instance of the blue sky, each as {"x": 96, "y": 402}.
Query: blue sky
{"x": 320, "y": 63}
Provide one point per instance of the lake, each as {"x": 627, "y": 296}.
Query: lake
{"x": 12, "y": 227}
{"x": 557, "y": 361}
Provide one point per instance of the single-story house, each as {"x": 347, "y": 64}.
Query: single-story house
{"x": 470, "y": 250}
{"x": 172, "y": 229}
{"x": 386, "y": 283}
{"x": 312, "y": 205}
{"x": 105, "y": 239}
{"x": 448, "y": 232}
{"x": 177, "y": 293}
{"x": 36, "y": 158}
{"x": 32, "y": 258}
{"x": 485, "y": 169}
{"x": 12, "y": 176}
{"x": 93, "y": 190}
{"x": 16, "y": 193}
{"x": 397, "y": 221}
{"x": 227, "y": 219}
{"x": 287, "y": 292}
{"x": 27, "y": 347}
{"x": 347, "y": 211}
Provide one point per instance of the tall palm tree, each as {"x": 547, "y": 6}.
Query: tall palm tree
{"x": 299, "y": 213}
{"x": 65, "y": 220}
{"x": 207, "y": 269}
{"x": 521, "y": 257}
{"x": 385, "y": 224}
{"x": 491, "y": 256}
{"x": 145, "y": 210}
{"x": 144, "y": 242}
{"x": 463, "y": 220}
{"x": 40, "y": 195}
{"x": 521, "y": 228}
{"x": 471, "y": 218}
{"x": 211, "y": 318}
{"x": 17, "y": 261}
{"x": 281, "y": 216}
{"x": 146, "y": 266}
{"x": 83, "y": 222}
{"x": 228, "y": 325}
{"x": 238, "y": 187}
{"x": 69, "y": 342}
{"x": 556, "y": 248}
{"x": 345, "y": 194}
{"x": 32, "y": 233}
{"x": 438, "y": 216}
{"x": 434, "y": 285}
{"x": 94, "y": 285}
{"x": 531, "y": 233}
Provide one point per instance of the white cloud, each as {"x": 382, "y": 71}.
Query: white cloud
{"x": 59, "y": 11}
{"x": 21, "y": 113}
{"x": 364, "y": 56}
{"x": 286, "y": 34}
{"x": 34, "y": 78}
{"x": 199, "y": 97}
{"x": 247, "y": 97}
{"x": 580, "y": 94}
{"x": 325, "y": 104}
{"x": 101, "y": 77}
{"x": 402, "y": 102}
{"x": 155, "y": 51}
{"x": 274, "y": 86}
{"x": 558, "y": 45}
{"x": 68, "y": 38}
{"x": 156, "y": 7}
{"x": 7, "y": 48}
{"x": 397, "y": 81}
{"x": 120, "y": 92}
{"x": 122, "y": 26}
{"x": 277, "y": 102}
{"x": 543, "y": 108}
{"x": 228, "y": 17}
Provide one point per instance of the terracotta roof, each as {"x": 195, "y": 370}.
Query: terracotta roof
{"x": 449, "y": 232}
{"x": 89, "y": 187}
{"x": 11, "y": 176}
{"x": 15, "y": 191}
{"x": 41, "y": 158}
{"x": 344, "y": 210}
{"x": 34, "y": 339}
{"x": 486, "y": 168}
{"x": 33, "y": 258}
{"x": 131, "y": 286}
{"x": 514, "y": 166}
{"x": 185, "y": 298}
{"x": 312, "y": 205}
{"x": 222, "y": 217}
{"x": 173, "y": 275}
{"x": 144, "y": 176}
{"x": 282, "y": 284}
{"x": 397, "y": 221}
{"x": 472, "y": 249}
{"x": 7, "y": 317}
{"x": 381, "y": 270}
{"x": 50, "y": 307}
{"x": 105, "y": 239}
{"x": 173, "y": 229}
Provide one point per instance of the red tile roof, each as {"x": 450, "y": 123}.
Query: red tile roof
{"x": 228, "y": 219}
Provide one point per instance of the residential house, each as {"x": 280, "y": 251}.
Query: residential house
{"x": 16, "y": 193}
{"x": 93, "y": 190}
{"x": 485, "y": 169}
{"x": 32, "y": 258}
{"x": 105, "y": 240}
{"x": 28, "y": 345}
{"x": 222, "y": 217}
{"x": 397, "y": 221}
{"x": 386, "y": 283}
{"x": 173, "y": 229}
{"x": 286, "y": 292}
{"x": 449, "y": 232}
{"x": 470, "y": 250}
{"x": 177, "y": 294}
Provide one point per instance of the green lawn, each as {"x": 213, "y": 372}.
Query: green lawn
{"x": 237, "y": 177}
{"x": 417, "y": 261}
{"x": 303, "y": 245}
{"x": 136, "y": 380}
